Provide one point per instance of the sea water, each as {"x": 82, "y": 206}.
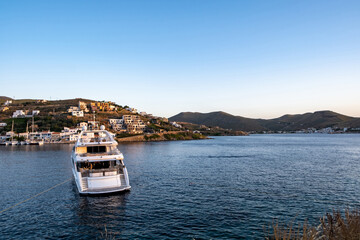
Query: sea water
{"x": 222, "y": 188}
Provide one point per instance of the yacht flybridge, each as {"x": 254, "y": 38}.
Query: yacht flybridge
{"x": 97, "y": 164}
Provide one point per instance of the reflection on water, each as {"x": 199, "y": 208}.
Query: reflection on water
{"x": 98, "y": 212}
{"x": 225, "y": 188}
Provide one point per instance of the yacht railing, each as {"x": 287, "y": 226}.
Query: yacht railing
{"x": 95, "y": 140}
{"x": 102, "y": 172}
{"x": 109, "y": 153}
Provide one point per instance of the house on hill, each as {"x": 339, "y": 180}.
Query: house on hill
{"x": 103, "y": 106}
{"x": 117, "y": 125}
{"x": 133, "y": 124}
{"x": 73, "y": 108}
{"x": 8, "y": 102}
{"x": 24, "y": 113}
{"x": 83, "y": 106}
{"x": 3, "y": 109}
{"x": 35, "y": 112}
{"x": 132, "y": 110}
{"x": 78, "y": 113}
{"x": 18, "y": 114}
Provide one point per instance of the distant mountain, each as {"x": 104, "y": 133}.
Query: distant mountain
{"x": 318, "y": 120}
{"x": 220, "y": 119}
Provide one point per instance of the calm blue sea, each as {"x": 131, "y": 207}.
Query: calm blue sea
{"x": 223, "y": 188}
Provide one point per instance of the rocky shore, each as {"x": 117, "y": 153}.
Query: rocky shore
{"x": 168, "y": 136}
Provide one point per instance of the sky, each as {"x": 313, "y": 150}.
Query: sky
{"x": 257, "y": 59}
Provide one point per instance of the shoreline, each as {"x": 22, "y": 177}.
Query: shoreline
{"x": 161, "y": 137}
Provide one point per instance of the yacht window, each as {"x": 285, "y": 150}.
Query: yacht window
{"x": 100, "y": 165}
{"x": 83, "y": 165}
{"x": 96, "y": 149}
{"x": 96, "y": 165}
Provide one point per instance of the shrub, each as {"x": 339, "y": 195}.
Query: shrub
{"x": 333, "y": 226}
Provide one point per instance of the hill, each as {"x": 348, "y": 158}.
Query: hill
{"x": 220, "y": 119}
{"x": 53, "y": 114}
{"x": 4, "y": 98}
{"x": 318, "y": 120}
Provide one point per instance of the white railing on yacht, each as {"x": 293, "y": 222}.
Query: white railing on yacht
{"x": 95, "y": 140}
{"x": 103, "y": 172}
{"x": 112, "y": 152}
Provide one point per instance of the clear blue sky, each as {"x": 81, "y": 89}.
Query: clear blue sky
{"x": 249, "y": 58}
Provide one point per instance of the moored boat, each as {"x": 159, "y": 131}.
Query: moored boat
{"x": 97, "y": 164}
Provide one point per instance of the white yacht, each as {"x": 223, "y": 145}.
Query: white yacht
{"x": 97, "y": 164}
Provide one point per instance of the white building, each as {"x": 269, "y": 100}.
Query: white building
{"x": 73, "y": 137}
{"x": 70, "y": 130}
{"x": 132, "y": 110}
{"x": 83, "y": 106}
{"x": 72, "y": 108}
{"x": 10, "y": 134}
{"x": 8, "y": 102}
{"x": 176, "y": 125}
{"x": 18, "y": 113}
{"x": 78, "y": 113}
{"x": 133, "y": 124}
{"x": 116, "y": 121}
{"x": 117, "y": 124}
{"x": 25, "y": 135}
{"x": 55, "y": 137}
{"x": 46, "y": 136}
{"x": 35, "y": 112}
{"x": 66, "y": 136}
{"x": 35, "y": 136}
{"x": 69, "y": 134}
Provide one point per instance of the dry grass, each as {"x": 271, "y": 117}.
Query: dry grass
{"x": 333, "y": 226}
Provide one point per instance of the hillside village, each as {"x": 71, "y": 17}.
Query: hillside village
{"x": 62, "y": 121}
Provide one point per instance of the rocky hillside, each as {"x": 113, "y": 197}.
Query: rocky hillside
{"x": 318, "y": 120}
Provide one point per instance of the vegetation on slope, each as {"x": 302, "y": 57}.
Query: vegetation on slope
{"x": 333, "y": 226}
{"x": 53, "y": 115}
{"x": 317, "y": 120}
{"x": 220, "y": 119}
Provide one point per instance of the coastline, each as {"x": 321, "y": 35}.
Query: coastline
{"x": 168, "y": 136}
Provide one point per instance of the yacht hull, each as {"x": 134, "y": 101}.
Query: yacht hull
{"x": 102, "y": 191}
{"x": 99, "y": 186}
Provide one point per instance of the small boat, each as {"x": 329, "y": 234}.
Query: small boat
{"x": 97, "y": 164}
{"x": 12, "y": 143}
{"x": 35, "y": 142}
